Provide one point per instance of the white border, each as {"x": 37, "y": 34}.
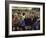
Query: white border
{"x": 25, "y": 32}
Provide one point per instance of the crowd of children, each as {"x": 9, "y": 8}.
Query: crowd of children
{"x": 21, "y": 22}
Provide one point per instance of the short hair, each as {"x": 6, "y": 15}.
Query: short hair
{"x": 23, "y": 13}
{"x": 19, "y": 13}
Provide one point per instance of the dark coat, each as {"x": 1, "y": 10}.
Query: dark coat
{"x": 28, "y": 21}
{"x": 36, "y": 25}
